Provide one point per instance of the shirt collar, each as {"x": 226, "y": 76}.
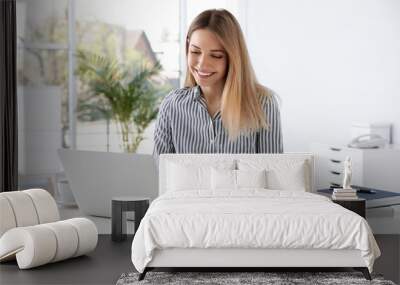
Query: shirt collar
{"x": 196, "y": 93}
{"x": 196, "y": 96}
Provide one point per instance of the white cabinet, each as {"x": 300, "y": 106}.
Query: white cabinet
{"x": 375, "y": 168}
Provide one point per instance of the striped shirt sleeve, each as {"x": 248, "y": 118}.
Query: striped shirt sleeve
{"x": 270, "y": 139}
{"x": 163, "y": 142}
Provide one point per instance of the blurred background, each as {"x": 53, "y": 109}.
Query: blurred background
{"x": 333, "y": 64}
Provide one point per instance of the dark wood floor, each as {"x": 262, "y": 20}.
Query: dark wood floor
{"x": 102, "y": 266}
{"x": 110, "y": 259}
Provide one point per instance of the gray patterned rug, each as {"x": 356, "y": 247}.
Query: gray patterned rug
{"x": 229, "y": 278}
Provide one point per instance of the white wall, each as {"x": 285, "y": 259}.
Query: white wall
{"x": 333, "y": 62}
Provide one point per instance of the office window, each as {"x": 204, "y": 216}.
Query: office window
{"x": 131, "y": 33}
{"x": 42, "y": 53}
{"x": 50, "y": 91}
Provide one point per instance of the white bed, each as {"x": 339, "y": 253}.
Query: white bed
{"x": 201, "y": 220}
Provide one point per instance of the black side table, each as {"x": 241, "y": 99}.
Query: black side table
{"x": 119, "y": 206}
{"x": 357, "y": 206}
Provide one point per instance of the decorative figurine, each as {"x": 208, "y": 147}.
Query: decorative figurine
{"x": 347, "y": 173}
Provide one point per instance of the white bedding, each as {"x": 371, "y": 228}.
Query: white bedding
{"x": 250, "y": 218}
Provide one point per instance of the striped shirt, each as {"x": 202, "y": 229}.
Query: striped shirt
{"x": 184, "y": 126}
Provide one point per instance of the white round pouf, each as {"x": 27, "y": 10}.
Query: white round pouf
{"x": 33, "y": 246}
{"x": 46, "y": 207}
{"x": 67, "y": 240}
{"x": 31, "y": 233}
{"x": 40, "y": 244}
{"x": 23, "y": 208}
{"x": 87, "y": 233}
{"x": 7, "y": 216}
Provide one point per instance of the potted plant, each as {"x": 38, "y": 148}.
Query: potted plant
{"x": 126, "y": 92}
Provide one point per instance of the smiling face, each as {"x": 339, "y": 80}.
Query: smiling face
{"x": 207, "y": 59}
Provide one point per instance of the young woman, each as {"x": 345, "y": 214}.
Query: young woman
{"x": 222, "y": 108}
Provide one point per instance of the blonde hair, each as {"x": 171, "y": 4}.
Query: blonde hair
{"x": 241, "y": 109}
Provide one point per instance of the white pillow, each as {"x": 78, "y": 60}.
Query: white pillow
{"x": 183, "y": 176}
{"x": 282, "y": 174}
{"x": 223, "y": 179}
{"x": 291, "y": 178}
{"x": 251, "y": 178}
{"x": 237, "y": 179}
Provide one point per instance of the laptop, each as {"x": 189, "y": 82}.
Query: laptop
{"x": 96, "y": 177}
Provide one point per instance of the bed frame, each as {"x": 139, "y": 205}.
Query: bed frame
{"x": 247, "y": 259}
